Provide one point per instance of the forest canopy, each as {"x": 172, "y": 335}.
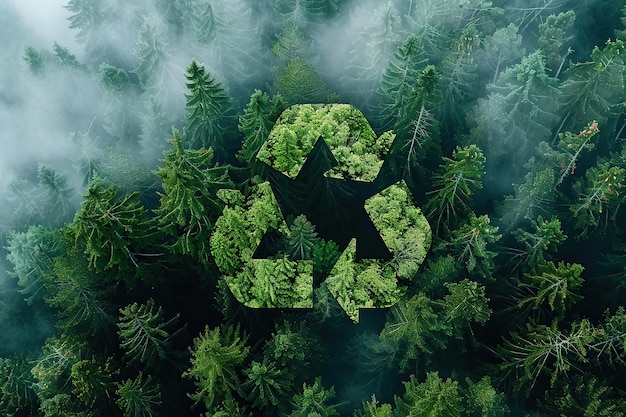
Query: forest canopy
{"x": 312, "y": 208}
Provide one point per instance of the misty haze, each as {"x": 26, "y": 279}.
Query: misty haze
{"x": 290, "y": 208}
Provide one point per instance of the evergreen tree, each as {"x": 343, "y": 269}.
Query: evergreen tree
{"x": 266, "y": 384}
{"x": 538, "y": 349}
{"x": 215, "y": 357}
{"x": 208, "y": 110}
{"x": 145, "y": 335}
{"x": 600, "y": 197}
{"x": 189, "y": 203}
{"x": 501, "y": 49}
{"x": 553, "y": 36}
{"x": 554, "y": 284}
{"x": 455, "y": 181}
{"x": 156, "y": 128}
{"x": 56, "y": 195}
{"x": 398, "y": 82}
{"x": 302, "y": 239}
{"x": 17, "y": 396}
{"x": 300, "y": 83}
{"x": 544, "y": 237}
{"x": 594, "y": 90}
{"x": 111, "y": 230}
{"x": 469, "y": 245}
{"x": 256, "y": 122}
{"x": 32, "y": 254}
{"x": 118, "y": 101}
{"x": 139, "y": 397}
{"x": 93, "y": 382}
{"x": 313, "y": 401}
{"x": 416, "y": 327}
{"x": 435, "y": 397}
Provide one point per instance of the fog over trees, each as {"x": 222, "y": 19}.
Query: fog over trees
{"x": 312, "y": 208}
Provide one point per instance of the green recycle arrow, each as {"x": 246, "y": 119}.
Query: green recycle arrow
{"x": 351, "y": 157}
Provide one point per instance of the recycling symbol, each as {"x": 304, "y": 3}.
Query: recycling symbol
{"x": 321, "y": 166}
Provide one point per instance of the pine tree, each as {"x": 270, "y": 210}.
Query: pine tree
{"x": 456, "y": 181}
{"x": 500, "y": 50}
{"x": 139, "y": 397}
{"x": 469, "y": 245}
{"x": 553, "y": 35}
{"x": 189, "y": 204}
{"x": 256, "y": 122}
{"x": 32, "y": 254}
{"x": 398, "y": 82}
{"x": 93, "y": 382}
{"x": 266, "y": 384}
{"x": 300, "y": 83}
{"x": 215, "y": 356}
{"x": 594, "y": 90}
{"x": 302, "y": 239}
{"x": 111, "y": 229}
{"x": 600, "y": 197}
{"x": 145, "y": 335}
{"x": 57, "y": 196}
{"x": 208, "y": 110}
{"x": 435, "y": 397}
{"x": 314, "y": 401}
{"x": 17, "y": 396}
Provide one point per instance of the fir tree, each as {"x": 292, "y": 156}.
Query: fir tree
{"x": 208, "y": 110}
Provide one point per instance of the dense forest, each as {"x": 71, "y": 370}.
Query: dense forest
{"x": 323, "y": 208}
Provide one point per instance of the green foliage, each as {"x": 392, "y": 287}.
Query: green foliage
{"x": 300, "y": 82}
{"x": 93, "y": 381}
{"x": 545, "y": 236}
{"x": 265, "y": 384}
{"x": 482, "y": 400}
{"x": 82, "y": 296}
{"x": 52, "y": 369}
{"x": 208, "y": 109}
{"x": 363, "y": 284}
{"x": 416, "y": 327}
{"x": 314, "y": 401}
{"x": 539, "y": 350}
{"x": 256, "y": 122}
{"x": 156, "y": 127}
{"x": 32, "y": 254}
{"x": 215, "y": 357}
{"x": 571, "y": 147}
{"x": 112, "y": 230}
{"x": 469, "y": 244}
{"x": 554, "y": 34}
{"x": 455, "y": 182}
{"x": 582, "y": 396}
{"x": 118, "y": 100}
{"x": 189, "y": 202}
{"x": 63, "y": 405}
{"x": 403, "y": 228}
{"x": 501, "y": 49}
{"x": 295, "y": 347}
{"x": 554, "y": 284}
{"x": 601, "y": 194}
{"x": 466, "y": 303}
{"x": 16, "y": 393}
{"x": 594, "y": 90}
{"x": 373, "y": 408}
{"x": 145, "y": 334}
{"x": 138, "y": 397}
{"x": 435, "y": 397}
{"x": 398, "y": 82}
{"x": 290, "y": 44}
{"x": 345, "y": 130}
{"x": 610, "y": 342}
{"x": 302, "y": 239}
{"x": 34, "y": 59}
